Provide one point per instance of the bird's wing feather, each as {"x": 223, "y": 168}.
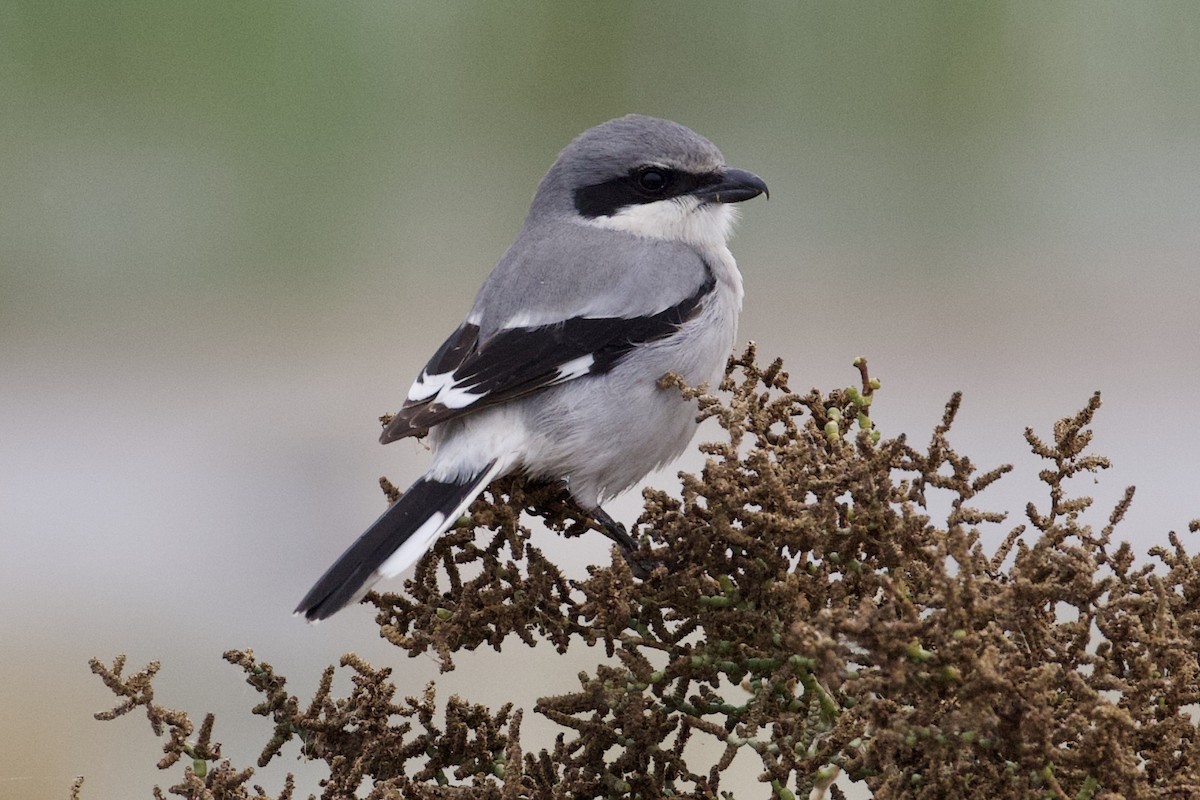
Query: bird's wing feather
{"x": 467, "y": 374}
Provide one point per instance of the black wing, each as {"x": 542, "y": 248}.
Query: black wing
{"x": 465, "y": 375}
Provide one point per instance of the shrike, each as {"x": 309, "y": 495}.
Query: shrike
{"x": 619, "y": 275}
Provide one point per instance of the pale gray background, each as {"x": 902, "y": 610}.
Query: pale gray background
{"x": 230, "y": 235}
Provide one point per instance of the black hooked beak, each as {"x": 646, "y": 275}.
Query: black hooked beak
{"x": 732, "y": 185}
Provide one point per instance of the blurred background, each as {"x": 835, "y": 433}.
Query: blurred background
{"x": 231, "y": 235}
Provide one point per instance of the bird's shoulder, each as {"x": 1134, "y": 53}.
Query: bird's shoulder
{"x": 554, "y": 272}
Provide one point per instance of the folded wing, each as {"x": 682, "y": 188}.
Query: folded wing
{"x": 467, "y": 374}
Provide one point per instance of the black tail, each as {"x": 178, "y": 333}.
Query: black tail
{"x": 395, "y": 542}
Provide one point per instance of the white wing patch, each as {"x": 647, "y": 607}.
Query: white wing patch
{"x": 426, "y": 385}
{"x": 575, "y": 368}
{"x": 443, "y": 390}
{"x": 457, "y": 396}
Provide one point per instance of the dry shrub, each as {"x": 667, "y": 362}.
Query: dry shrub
{"x": 798, "y": 602}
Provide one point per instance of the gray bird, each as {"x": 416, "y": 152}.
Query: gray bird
{"x": 619, "y": 275}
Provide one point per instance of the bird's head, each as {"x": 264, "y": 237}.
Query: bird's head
{"x": 648, "y": 177}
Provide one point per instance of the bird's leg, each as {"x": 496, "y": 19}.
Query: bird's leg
{"x": 609, "y": 527}
{"x": 638, "y": 565}
{"x": 614, "y": 530}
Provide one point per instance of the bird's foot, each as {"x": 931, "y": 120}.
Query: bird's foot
{"x": 639, "y": 564}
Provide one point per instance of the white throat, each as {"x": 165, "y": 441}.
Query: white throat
{"x": 705, "y": 226}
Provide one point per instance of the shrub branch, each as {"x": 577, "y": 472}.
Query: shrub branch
{"x": 798, "y": 604}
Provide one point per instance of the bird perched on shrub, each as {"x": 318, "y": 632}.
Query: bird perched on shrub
{"x": 619, "y": 275}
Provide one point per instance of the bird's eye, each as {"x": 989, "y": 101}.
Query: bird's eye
{"x": 653, "y": 180}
